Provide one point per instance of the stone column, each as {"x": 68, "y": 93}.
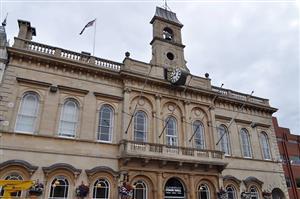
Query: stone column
{"x": 126, "y": 117}
{"x": 159, "y": 186}
{"x": 187, "y": 134}
{"x": 192, "y": 187}
{"x": 158, "y": 129}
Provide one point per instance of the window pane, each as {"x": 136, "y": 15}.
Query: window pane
{"x": 198, "y": 129}
{"x": 105, "y": 123}
{"x": 246, "y": 148}
{"x": 59, "y": 188}
{"x": 101, "y": 189}
{"x": 27, "y": 113}
{"x": 224, "y": 142}
{"x": 171, "y": 131}
{"x": 265, "y": 146}
{"x": 140, "y": 127}
{"x": 69, "y": 119}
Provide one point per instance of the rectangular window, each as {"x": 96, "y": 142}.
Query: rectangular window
{"x": 288, "y": 181}
{"x": 298, "y": 182}
{"x": 295, "y": 160}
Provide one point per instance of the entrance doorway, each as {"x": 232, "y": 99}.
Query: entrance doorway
{"x": 174, "y": 189}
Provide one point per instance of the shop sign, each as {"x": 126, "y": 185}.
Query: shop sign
{"x": 173, "y": 191}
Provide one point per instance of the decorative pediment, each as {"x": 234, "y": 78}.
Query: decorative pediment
{"x": 252, "y": 179}
{"x": 98, "y": 169}
{"x": 64, "y": 166}
{"x": 21, "y": 163}
{"x": 232, "y": 178}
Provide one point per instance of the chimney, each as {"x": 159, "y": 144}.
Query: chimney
{"x": 25, "y": 30}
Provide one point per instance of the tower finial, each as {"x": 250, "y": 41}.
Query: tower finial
{"x": 4, "y": 21}
{"x": 166, "y": 7}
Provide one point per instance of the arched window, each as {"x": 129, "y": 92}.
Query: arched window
{"x": 13, "y": 176}
{"x": 231, "y": 193}
{"x": 59, "y": 188}
{"x": 171, "y": 131}
{"x": 198, "y": 130}
{"x": 27, "y": 115}
{"x": 264, "y": 142}
{"x": 140, "y": 127}
{"x": 203, "y": 192}
{"x": 69, "y": 118}
{"x": 254, "y": 192}
{"x": 224, "y": 142}
{"x": 140, "y": 190}
{"x": 168, "y": 34}
{"x": 101, "y": 189}
{"x": 105, "y": 127}
{"x": 245, "y": 141}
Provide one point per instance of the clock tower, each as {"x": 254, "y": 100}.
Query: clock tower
{"x": 167, "y": 47}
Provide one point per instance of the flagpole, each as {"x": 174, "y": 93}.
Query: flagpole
{"x": 94, "y": 41}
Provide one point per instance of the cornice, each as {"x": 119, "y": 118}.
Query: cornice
{"x": 32, "y": 82}
{"x": 166, "y": 41}
{"x": 72, "y": 89}
{"x": 108, "y": 96}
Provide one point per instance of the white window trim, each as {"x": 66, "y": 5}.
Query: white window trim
{"x": 36, "y": 117}
{"x": 111, "y": 128}
{"x": 77, "y": 119}
{"x": 146, "y": 126}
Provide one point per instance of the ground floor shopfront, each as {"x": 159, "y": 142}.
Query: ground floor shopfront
{"x": 148, "y": 181}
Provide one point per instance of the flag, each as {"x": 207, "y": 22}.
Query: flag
{"x": 91, "y": 23}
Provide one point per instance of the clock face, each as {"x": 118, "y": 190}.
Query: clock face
{"x": 174, "y": 75}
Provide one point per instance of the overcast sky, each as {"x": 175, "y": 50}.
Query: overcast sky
{"x": 247, "y": 45}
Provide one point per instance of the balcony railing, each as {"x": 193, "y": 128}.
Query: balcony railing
{"x": 66, "y": 54}
{"x": 160, "y": 151}
{"x": 240, "y": 96}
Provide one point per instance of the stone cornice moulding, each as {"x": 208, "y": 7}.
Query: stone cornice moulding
{"x": 240, "y": 121}
{"x": 98, "y": 169}
{"x": 223, "y": 117}
{"x": 72, "y": 89}
{"x": 32, "y": 82}
{"x": 105, "y": 95}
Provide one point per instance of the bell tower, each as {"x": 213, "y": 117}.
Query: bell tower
{"x": 167, "y": 47}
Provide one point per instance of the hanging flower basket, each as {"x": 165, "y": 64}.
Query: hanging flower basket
{"x": 36, "y": 189}
{"x": 82, "y": 191}
{"x": 266, "y": 195}
{"x": 126, "y": 191}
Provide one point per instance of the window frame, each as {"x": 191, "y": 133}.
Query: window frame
{"x": 111, "y": 127}
{"x": 106, "y": 182}
{"x": 20, "y": 177}
{"x": 226, "y": 136}
{"x": 175, "y": 131}
{"x": 234, "y": 190}
{"x": 199, "y": 190}
{"x": 200, "y": 129}
{"x": 66, "y": 187}
{"x": 145, "y": 126}
{"x": 243, "y": 130}
{"x": 34, "y": 127}
{"x": 77, "y": 106}
{"x": 144, "y": 189}
{"x": 264, "y": 135}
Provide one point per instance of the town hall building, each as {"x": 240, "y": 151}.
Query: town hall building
{"x": 69, "y": 118}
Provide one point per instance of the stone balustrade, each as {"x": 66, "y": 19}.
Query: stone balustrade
{"x": 240, "y": 96}
{"x": 67, "y": 54}
{"x": 160, "y": 151}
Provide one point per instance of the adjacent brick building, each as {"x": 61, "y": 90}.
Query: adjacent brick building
{"x": 289, "y": 148}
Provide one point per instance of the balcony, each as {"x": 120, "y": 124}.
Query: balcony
{"x": 171, "y": 154}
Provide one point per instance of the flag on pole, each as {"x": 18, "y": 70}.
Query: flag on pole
{"x": 91, "y": 23}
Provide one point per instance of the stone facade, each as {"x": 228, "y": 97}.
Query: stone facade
{"x": 55, "y": 75}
